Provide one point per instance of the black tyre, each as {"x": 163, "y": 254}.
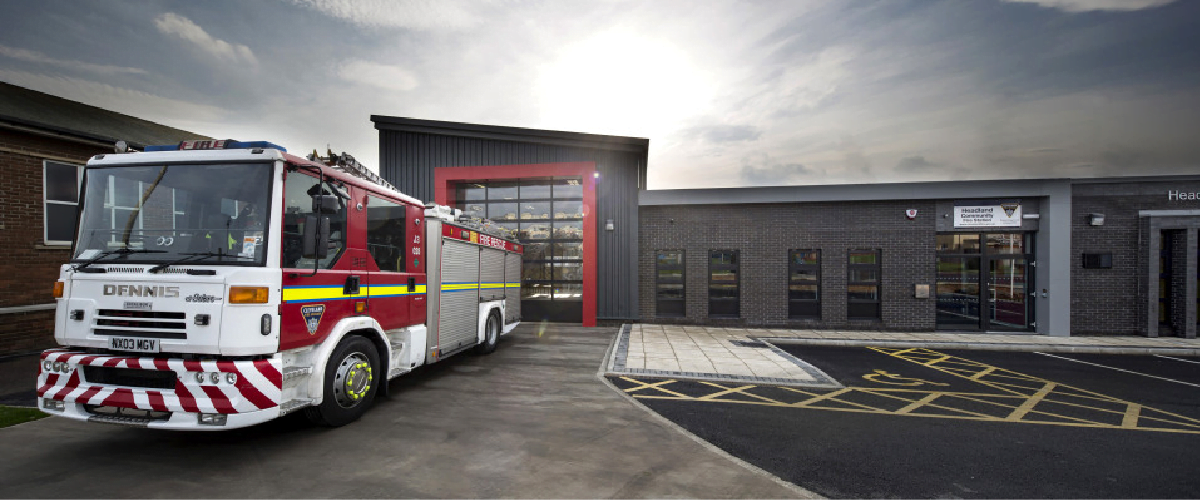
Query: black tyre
{"x": 491, "y": 335}
{"x": 352, "y": 378}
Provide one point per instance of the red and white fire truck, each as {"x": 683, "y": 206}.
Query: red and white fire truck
{"x": 220, "y": 284}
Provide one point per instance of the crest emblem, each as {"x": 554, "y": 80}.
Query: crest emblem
{"x": 1009, "y": 208}
{"x": 312, "y": 316}
{"x": 911, "y": 213}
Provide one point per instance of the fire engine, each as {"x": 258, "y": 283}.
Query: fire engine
{"x": 220, "y": 284}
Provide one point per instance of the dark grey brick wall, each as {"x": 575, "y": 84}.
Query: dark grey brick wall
{"x": 1177, "y": 287}
{"x": 1113, "y": 301}
{"x": 765, "y": 233}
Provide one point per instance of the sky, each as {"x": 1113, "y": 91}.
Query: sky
{"x": 730, "y": 93}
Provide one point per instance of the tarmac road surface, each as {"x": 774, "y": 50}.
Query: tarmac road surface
{"x": 532, "y": 420}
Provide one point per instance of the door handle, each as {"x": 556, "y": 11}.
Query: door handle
{"x": 412, "y": 285}
{"x": 351, "y": 286}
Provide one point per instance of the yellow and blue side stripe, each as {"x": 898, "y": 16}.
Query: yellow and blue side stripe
{"x": 462, "y": 287}
{"x": 324, "y": 293}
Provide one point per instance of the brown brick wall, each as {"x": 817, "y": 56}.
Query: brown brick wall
{"x": 27, "y": 269}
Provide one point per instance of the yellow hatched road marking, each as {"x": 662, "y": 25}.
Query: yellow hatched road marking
{"x": 1013, "y": 403}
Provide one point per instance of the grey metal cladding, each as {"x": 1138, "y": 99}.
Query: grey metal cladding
{"x": 491, "y": 273}
{"x": 408, "y": 160}
{"x": 512, "y": 295}
{"x": 460, "y": 308}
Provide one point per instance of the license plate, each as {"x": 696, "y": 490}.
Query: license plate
{"x": 131, "y": 344}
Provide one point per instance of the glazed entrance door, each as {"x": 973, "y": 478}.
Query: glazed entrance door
{"x": 958, "y": 292}
{"x": 1008, "y": 304}
{"x": 983, "y": 281}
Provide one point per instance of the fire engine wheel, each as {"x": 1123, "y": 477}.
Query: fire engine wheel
{"x": 351, "y": 378}
{"x": 491, "y": 334}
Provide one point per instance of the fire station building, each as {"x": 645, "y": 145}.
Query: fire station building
{"x": 1040, "y": 256}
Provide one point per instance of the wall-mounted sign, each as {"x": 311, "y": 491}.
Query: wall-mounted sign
{"x": 997, "y": 215}
{"x": 1173, "y": 195}
{"x": 911, "y": 213}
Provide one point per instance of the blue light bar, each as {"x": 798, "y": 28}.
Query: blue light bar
{"x": 229, "y": 144}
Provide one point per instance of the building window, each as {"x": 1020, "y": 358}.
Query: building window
{"x": 546, "y": 215}
{"x": 669, "y": 291}
{"x": 723, "y": 290}
{"x": 862, "y": 284}
{"x": 60, "y": 201}
{"x": 804, "y": 284}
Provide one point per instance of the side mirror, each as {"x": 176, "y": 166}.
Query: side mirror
{"x": 325, "y": 203}
{"x": 316, "y": 237}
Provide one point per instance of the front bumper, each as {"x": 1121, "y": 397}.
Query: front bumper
{"x": 242, "y": 393}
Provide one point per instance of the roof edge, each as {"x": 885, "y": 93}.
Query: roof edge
{"x": 506, "y": 133}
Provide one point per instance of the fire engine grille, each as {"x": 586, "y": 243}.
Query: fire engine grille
{"x": 141, "y": 324}
{"x": 128, "y": 416}
{"x": 129, "y": 377}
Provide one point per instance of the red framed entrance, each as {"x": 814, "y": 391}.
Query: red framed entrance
{"x": 447, "y": 178}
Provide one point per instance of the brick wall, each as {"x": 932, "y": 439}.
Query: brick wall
{"x": 28, "y": 269}
{"x": 765, "y": 233}
{"x": 1113, "y": 301}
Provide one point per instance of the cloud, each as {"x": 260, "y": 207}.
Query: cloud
{"x": 759, "y": 169}
{"x": 378, "y": 75}
{"x": 175, "y": 24}
{"x": 37, "y": 57}
{"x": 724, "y": 133}
{"x": 427, "y": 15}
{"x": 1090, "y": 5}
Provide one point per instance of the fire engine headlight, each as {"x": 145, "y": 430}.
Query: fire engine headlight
{"x": 247, "y": 295}
{"x": 199, "y": 378}
{"x": 47, "y": 365}
{"x": 53, "y": 404}
{"x": 231, "y": 378}
{"x": 214, "y": 377}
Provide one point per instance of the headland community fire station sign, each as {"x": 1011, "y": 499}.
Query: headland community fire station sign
{"x": 1003, "y": 214}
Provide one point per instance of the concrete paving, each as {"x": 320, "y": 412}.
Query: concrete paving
{"x": 532, "y": 420}
{"x": 752, "y": 354}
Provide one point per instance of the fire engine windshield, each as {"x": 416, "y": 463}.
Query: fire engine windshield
{"x": 202, "y": 214}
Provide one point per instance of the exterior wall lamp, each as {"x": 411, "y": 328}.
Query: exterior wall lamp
{"x": 608, "y": 225}
{"x": 1096, "y": 219}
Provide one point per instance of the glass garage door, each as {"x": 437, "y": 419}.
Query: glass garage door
{"x": 547, "y": 216}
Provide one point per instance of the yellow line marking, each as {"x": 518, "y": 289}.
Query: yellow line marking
{"x": 1131, "y": 416}
{"x": 920, "y": 402}
{"x": 1031, "y": 402}
{"x": 823, "y": 397}
{"x": 656, "y": 386}
{"x": 737, "y": 390}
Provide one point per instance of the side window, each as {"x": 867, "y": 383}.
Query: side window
{"x": 297, "y": 202}
{"x": 385, "y": 234}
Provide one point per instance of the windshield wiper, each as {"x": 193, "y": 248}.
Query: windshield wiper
{"x": 196, "y": 256}
{"x": 119, "y": 251}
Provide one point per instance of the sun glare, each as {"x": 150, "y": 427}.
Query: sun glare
{"x": 621, "y": 84}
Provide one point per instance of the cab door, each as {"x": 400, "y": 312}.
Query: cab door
{"x": 318, "y": 293}
{"x": 393, "y": 239}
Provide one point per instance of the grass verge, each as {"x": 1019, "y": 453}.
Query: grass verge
{"x": 12, "y": 416}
